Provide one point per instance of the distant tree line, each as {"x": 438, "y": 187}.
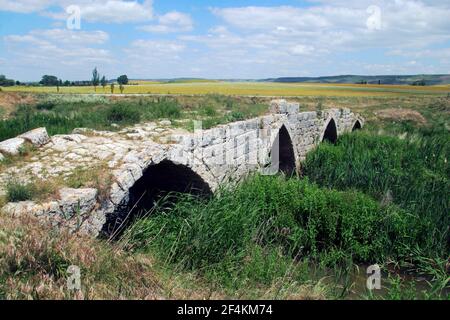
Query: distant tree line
{"x": 53, "y": 81}
{"x": 4, "y": 82}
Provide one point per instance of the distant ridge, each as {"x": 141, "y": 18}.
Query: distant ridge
{"x": 429, "y": 79}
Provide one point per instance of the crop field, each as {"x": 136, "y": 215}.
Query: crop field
{"x": 202, "y": 87}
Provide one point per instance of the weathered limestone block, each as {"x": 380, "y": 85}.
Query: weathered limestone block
{"x": 124, "y": 178}
{"x": 38, "y": 137}
{"x": 18, "y": 209}
{"x": 1, "y": 157}
{"x": 77, "y": 201}
{"x": 165, "y": 123}
{"x": 281, "y": 106}
{"x": 12, "y": 146}
{"x": 49, "y": 209}
{"x": 117, "y": 194}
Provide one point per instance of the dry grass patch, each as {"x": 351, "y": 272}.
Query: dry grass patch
{"x": 34, "y": 259}
{"x": 401, "y": 115}
{"x": 9, "y": 101}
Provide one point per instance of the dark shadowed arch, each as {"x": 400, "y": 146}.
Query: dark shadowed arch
{"x": 357, "y": 126}
{"x": 285, "y": 157}
{"x": 158, "y": 181}
{"x": 330, "y": 134}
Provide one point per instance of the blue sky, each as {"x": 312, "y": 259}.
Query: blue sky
{"x": 223, "y": 39}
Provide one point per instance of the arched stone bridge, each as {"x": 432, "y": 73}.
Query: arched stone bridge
{"x": 144, "y": 164}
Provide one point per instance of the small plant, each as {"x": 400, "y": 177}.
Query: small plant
{"x": 236, "y": 116}
{"x": 45, "y": 105}
{"x": 16, "y": 192}
{"x": 208, "y": 110}
{"x": 123, "y": 114}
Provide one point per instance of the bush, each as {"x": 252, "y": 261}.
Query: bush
{"x": 163, "y": 109}
{"x": 16, "y": 192}
{"x": 123, "y": 114}
{"x": 46, "y": 105}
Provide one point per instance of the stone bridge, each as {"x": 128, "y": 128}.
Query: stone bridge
{"x": 151, "y": 159}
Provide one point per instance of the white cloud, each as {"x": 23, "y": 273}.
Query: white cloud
{"x": 108, "y": 11}
{"x": 154, "y": 48}
{"x": 58, "y": 50}
{"x": 171, "y": 22}
{"x": 24, "y": 6}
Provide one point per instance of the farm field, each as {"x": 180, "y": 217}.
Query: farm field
{"x": 248, "y": 89}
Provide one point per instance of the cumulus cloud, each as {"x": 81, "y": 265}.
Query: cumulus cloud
{"x": 24, "y": 6}
{"x": 108, "y": 11}
{"x": 55, "y": 50}
{"x": 171, "y": 22}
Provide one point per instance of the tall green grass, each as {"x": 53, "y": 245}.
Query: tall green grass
{"x": 61, "y": 117}
{"x": 411, "y": 172}
{"x": 270, "y": 227}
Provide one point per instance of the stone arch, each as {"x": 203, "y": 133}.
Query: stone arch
{"x": 284, "y": 160}
{"x": 357, "y": 126}
{"x": 158, "y": 180}
{"x": 330, "y": 133}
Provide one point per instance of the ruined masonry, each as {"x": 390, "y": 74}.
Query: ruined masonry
{"x": 154, "y": 156}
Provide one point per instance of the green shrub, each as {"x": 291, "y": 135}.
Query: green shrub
{"x": 123, "y": 114}
{"x": 16, "y": 192}
{"x": 208, "y": 110}
{"x": 163, "y": 109}
{"x": 45, "y": 105}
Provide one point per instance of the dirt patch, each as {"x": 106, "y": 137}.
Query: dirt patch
{"x": 9, "y": 101}
{"x": 401, "y": 115}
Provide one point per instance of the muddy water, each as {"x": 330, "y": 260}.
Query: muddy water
{"x": 354, "y": 287}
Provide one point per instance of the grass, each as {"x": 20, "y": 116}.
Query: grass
{"x": 62, "y": 114}
{"x": 412, "y": 172}
{"x": 269, "y": 229}
{"x": 16, "y": 192}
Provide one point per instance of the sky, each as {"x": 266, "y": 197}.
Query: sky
{"x": 226, "y": 39}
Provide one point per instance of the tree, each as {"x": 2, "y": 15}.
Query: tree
{"x": 103, "y": 82}
{"x": 95, "y": 78}
{"x": 123, "y": 79}
{"x": 121, "y": 87}
{"x": 112, "y": 88}
{"x": 48, "y": 80}
{"x": 6, "y": 82}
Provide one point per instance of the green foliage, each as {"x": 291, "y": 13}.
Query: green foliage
{"x": 120, "y": 113}
{"x": 266, "y": 223}
{"x": 123, "y": 80}
{"x": 45, "y": 105}
{"x": 95, "y": 77}
{"x": 62, "y": 116}
{"x": 48, "y": 80}
{"x": 412, "y": 173}
{"x": 4, "y": 82}
{"x": 164, "y": 108}
{"x": 16, "y": 192}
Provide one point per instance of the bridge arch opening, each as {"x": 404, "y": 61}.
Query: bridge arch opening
{"x": 357, "y": 126}
{"x": 162, "y": 180}
{"x": 282, "y": 153}
{"x": 330, "y": 133}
